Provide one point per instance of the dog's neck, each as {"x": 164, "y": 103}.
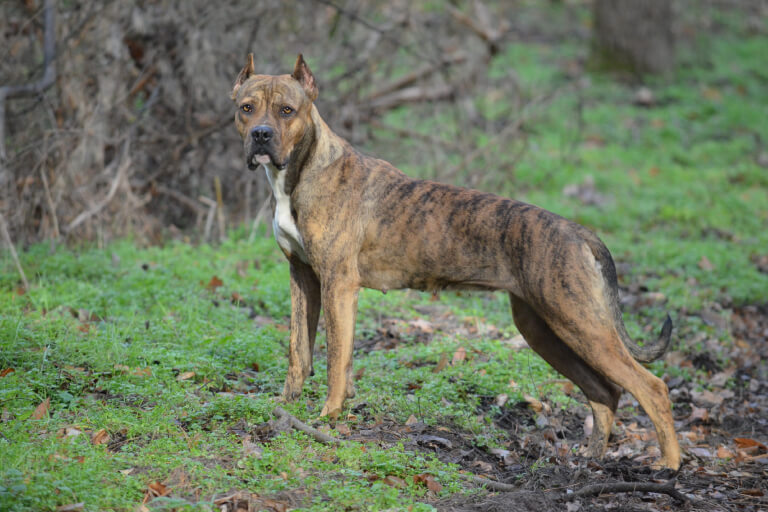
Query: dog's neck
{"x": 328, "y": 147}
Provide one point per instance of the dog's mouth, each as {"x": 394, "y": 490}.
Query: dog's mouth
{"x": 257, "y": 160}
{"x": 263, "y": 158}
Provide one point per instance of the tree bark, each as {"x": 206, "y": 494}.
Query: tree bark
{"x": 634, "y": 36}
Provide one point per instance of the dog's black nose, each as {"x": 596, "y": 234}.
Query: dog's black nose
{"x": 262, "y": 133}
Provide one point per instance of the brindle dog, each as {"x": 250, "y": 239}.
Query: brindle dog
{"x": 345, "y": 220}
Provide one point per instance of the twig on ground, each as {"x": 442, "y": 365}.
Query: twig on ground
{"x": 667, "y": 487}
{"x": 12, "y": 249}
{"x": 303, "y": 427}
{"x": 490, "y": 484}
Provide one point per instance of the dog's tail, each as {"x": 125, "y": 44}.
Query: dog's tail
{"x": 649, "y": 351}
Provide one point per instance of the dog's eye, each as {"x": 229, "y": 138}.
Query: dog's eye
{"x": 247, "y": 108}
{"x": 286, "y": 110}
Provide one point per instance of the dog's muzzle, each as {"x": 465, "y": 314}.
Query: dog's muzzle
{"x": 261, "y": 150}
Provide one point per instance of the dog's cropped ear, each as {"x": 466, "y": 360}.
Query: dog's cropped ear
{"x": 302, "y": 73}
{"x": 245, "y": 73}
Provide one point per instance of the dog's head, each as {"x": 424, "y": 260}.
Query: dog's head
{"x": 273, "y": 112}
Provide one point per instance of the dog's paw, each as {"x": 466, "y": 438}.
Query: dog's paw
{"x": 291, "y": 393}
{"x": 331, "y": 411}
{"x": 667, "y": 465}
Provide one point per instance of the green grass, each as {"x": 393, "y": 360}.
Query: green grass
{"x": 106, "y": 334}
{"x": 147, "y": 317}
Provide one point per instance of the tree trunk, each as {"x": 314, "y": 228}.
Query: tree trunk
{"x": 633, "y": 35}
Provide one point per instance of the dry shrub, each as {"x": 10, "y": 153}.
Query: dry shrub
{"x": 138, "y": 125}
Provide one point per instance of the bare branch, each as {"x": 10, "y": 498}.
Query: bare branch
{"x": 414, "y": 76}
{"x": 413, "y": 94}
{"x": 49, "y": 72}
{"x": 480, "y": 25}
{"x": 303, "y": 427}
{"x": 123, "y": 167}
{"x": 489, "y": 484}
{"x": 667, "y": 487}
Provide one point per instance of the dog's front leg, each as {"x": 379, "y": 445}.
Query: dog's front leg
{"x": 340, "y": 306}
{"x": 305, "y": 310}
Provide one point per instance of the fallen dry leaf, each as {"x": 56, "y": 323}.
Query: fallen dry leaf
{"x": 142, "y": 372}
{"x": 500, "y": 399}
{"x": 394, "y": 481}
{"x": 484, "y": 467}
{"x": 101, "y": 436}
{"x": 214, "y": 283}
{"x": 185, "y": 376}
{"x": 567, "y": 387}
{"x": 428, "y": 480}
{"x": 459, "y": 356}
{"x": 411, "y": 420}
{"x": 724, "y": 453}
{"x": 41, "y": 410}
{"x": 707, "y": 398}
{"x": 536, "y": 405}
{"x": 744, "y": 443}
{"x": 154, "y": 490}
{"x": 6, "y": 371}
{"x": 693, "y": 437}
{"x": 422, "y": 325}
{"x": 699, "y": 413}
{"x": 343, "y": 429}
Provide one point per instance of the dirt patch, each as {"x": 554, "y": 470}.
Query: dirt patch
{"x": 723, "y": 431}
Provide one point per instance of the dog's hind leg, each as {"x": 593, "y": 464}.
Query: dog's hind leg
{"x": 305, "y": 311}
{"x": 597, "y": 342}
{"x": 603, "y": 395}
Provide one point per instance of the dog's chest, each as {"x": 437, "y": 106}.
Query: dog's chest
{"x": 286, "y": 232}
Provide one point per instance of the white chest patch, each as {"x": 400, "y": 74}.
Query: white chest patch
{"x": 286, "y": 232}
